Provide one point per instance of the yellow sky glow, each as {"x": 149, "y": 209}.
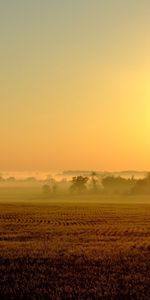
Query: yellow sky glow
{"x": 75, "y": 94}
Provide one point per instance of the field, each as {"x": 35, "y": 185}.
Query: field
{"x": 73, "y": 250}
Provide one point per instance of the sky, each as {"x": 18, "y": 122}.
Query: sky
{"x": 74, "y": 85}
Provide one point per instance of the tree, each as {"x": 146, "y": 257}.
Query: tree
{"x": 117, "y": 185}
{"x": 142, "y": 186}
{"x": 79, "y": 184}
{"x": 1, "y": 178}
{"x": 46, "y": 189}
{"x": 94, "y": 181}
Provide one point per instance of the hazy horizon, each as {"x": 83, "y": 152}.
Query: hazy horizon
{"x": 68, "y": 174}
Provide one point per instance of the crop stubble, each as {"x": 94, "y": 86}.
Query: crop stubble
{"x": 110, "y": 241}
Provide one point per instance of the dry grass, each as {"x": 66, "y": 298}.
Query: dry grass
{"x": 75, "y": 251}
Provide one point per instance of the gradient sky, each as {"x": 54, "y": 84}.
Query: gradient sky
{"x": 74, "y": 84}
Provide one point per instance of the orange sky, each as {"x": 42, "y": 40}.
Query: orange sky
{"x": 75, "y": 85}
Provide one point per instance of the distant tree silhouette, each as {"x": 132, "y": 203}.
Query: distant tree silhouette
{"x": 30, "y": 179}
{"x": 79, "y": 184}
{"x": 54, "y": 188}
{"x": 1, "y": 178}
{"x": 142, "y": 186}
{"x": 11, "y": 179}
{"x": 94, "y": 181}
{"x": 118, "y": 185}
{"x": 46, "y": 189}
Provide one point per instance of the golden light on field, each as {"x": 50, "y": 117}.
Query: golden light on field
{"x": 75, "y": 149}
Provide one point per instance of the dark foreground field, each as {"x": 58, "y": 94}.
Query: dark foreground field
{"x": 75, "y": 251}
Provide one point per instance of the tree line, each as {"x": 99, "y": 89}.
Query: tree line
{"x": 95, "y": 184}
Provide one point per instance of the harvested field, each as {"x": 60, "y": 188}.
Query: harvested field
{"x": 75, "y": 251}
